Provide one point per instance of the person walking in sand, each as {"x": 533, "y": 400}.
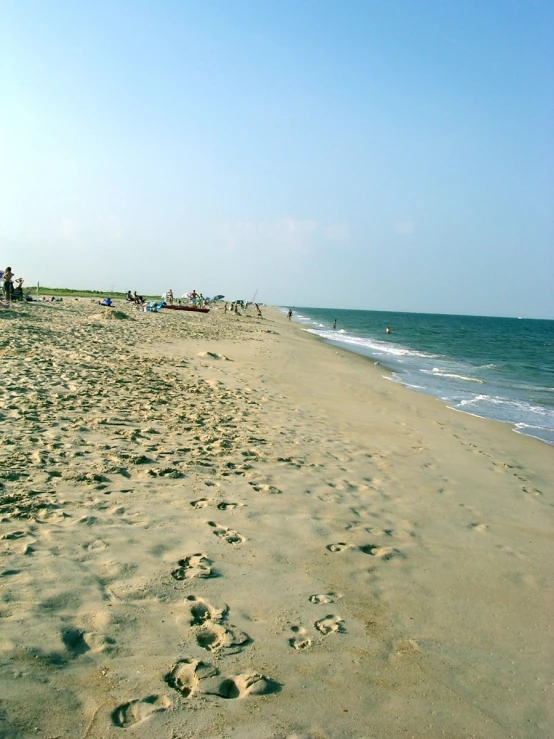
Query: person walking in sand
{"x": 289, "y": 314}
{"x": 8, "y": 283}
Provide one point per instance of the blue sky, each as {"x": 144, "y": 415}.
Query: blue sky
{"x": 377, "y": 154}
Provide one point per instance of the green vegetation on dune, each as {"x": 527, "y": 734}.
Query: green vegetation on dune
{"x": 61, "y": 292}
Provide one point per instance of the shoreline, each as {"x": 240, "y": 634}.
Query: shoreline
{"x": 216, "y": 526}
{"x": 396, "y": 376}
{"x": 379, "y": 368}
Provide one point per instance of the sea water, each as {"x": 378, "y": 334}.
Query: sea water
{"x": 497, "y": 368}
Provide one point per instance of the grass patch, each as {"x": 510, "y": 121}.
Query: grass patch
{"x": 66, "y": 292}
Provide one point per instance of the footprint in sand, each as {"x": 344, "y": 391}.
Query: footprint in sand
{"x": 226, "y": 506}
{"x": 195, "y": 565}
{"x": 138, "y": 710}
{"x": 230, "y": 536}
{"x": 384, "y": 553}
{"x": 185, "y": 675}
{"x": 13, "y": 535}
{"x": 338, "y": 547}
{"x": 214, "y": 637}
{"x": 222, "y": 505}
{"x": 211, "y": 637}
{"x": 300, "y": 640}
{"x": 531, "y": 491}
{"x": 241, "y": 686}
{"x": 202, "y": 611}
{"x": 270, "y": 489}
{"x": 292, "y": 461}
{"x": 213, "y": 355}
{"x": 96, "y": 546}
{"x": 324, "y": 598}
{"x": 478, "y": 527}
{"x": 78, "y": 641}
{"x": 330, "y": 624}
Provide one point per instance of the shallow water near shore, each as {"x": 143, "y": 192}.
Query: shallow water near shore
{"x": 496, "y": 368}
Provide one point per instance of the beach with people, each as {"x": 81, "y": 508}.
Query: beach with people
{"x": 218, "y": 525}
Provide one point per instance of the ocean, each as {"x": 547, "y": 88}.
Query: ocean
{"x": 497, "y": 368}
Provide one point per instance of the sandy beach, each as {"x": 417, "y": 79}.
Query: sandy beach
{"x": 219, "y": 526}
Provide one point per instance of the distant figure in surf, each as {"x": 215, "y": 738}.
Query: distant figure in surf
{"x": 335, "y": 325}
{"x": 387, "y": 330}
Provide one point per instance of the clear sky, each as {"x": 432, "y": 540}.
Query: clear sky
{"x": 376, "y": 154}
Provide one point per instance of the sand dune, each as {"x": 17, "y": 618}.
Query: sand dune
{"x": 217, "y": 526}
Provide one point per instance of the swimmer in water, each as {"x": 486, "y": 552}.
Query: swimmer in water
{"x": 387, "y": 330}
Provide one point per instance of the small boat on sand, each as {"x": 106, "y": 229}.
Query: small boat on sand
{"x": 193, "y": 308}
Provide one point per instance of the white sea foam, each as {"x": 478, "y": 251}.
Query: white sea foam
{"x": 538, "y": 432}
{"x": 436, "y": 372}
{"x": 379, "y": 346}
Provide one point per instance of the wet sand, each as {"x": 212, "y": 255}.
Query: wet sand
{"x": 219, "y": 526}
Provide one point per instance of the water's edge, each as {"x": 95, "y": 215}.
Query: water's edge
{"x": 463, "y": 399}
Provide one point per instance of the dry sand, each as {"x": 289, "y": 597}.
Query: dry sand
{"x": 218, "y": 526}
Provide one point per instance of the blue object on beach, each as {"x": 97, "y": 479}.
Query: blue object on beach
{"x": 153, "y": 307}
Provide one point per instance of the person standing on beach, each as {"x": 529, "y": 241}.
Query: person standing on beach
{"x": 290, "y": 313}
{"x": 8, "y": 284}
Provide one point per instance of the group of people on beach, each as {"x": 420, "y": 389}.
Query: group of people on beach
{"x": 234, "y": 308}
{"x": 132, "y": 297}
{"x": 13, "y": 291}
{"x": 197, "y": 299}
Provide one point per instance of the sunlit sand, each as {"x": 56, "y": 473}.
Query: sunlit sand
{"x": 218, "y": 526}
